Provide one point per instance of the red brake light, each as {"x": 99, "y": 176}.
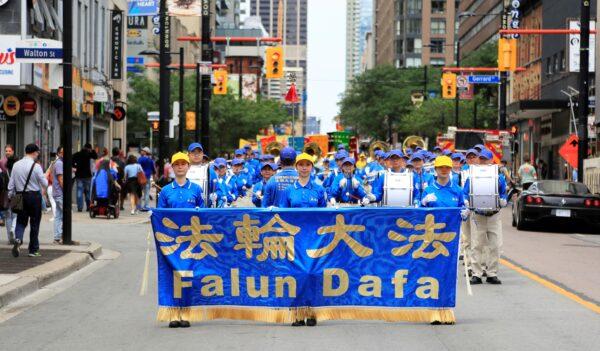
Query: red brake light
{"x": 538, "y": 200}
{"x": 597, "y": 203}
{"x": 587, "y": 203}
{"x": 529, "y": 199}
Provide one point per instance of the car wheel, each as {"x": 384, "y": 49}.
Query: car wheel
{"x": 520, "y": 222}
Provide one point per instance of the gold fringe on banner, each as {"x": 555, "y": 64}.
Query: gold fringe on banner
{"x": 285, "y": 316}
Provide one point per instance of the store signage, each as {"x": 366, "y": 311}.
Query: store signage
{"x": 39, "y": 51}
{"x": 10, "y": 69}
{"x": 574, "y": 47}
{"x": 116, "y": 68}
{"x": 137, "y": 22}
{"x": 142, "y": 7}
{"x": 515, "y": 15}
{"x": 29, "y": 106}
{"x": 11, "y": 106}
{"x": 100, "y": 94}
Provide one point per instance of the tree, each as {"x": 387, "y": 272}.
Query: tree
{"x": 378, "y": 99}
{"x": 230, "y": 119}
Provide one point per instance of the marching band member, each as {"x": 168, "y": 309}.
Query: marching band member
{"x": 239, "y": 181}
{"x": 240, "y": 154}
{"x": 180, "y": 193}
{"x": 266, "y": 171}
{"x": 444, "y": 192}
{"x": 324, "y": 173}
{"x": 274, "y": 189}
{"x": 486, "y": 231}
{"x": 339, "y": 158}
{"x": 200, "y": 171}
{"x": 457, "y": 168}
{"x": 221, "y": 194}
{"x": 304, "y": 193}
{"x": 397, "y": 165}
{"x": 421, "y": 179}
{"x": 347, "y": 188}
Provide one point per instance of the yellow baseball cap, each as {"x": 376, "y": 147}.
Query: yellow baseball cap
{"x": 180, "y": 156}
{"x": 305, "y": 156}
{"x": 443, "y": 161}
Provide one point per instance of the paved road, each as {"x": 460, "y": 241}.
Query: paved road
{"x": 99, "y": 309}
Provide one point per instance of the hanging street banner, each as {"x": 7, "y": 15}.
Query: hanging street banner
{"x": 10, "y": 69}
{"x": 185, "y": 7}
{"x": 574, "y": 47}
{"x": 39, "y": 51}
{"x": 394, "y": 264}
{"x": 484, "y": 79}
{"x": 116, "y": 63}
{"x": 142, "y": 7}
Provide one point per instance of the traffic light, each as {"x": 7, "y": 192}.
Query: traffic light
{"x": 155, "y": 125}
{"x": 220, "y": 82}
{"x": 275, "y": 62}
{"x": 190, "y": 120}
{"x": 449, "y": 86}
{"x": 507, "y": 55}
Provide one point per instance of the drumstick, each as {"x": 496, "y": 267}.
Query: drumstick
{"x": 354, "y": 197}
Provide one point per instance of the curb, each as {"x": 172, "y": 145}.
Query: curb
{"x": 35, "y": 278}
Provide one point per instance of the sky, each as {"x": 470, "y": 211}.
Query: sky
{"x": 326, "y": 59}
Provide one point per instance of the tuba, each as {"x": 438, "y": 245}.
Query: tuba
{"x": 381, "y": 145}
{"x": 313, "y": 149}
{"x": 412, "y": 142}
{"x": 273, "y": 148}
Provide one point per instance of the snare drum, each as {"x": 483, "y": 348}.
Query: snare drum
{"x": 199, "y": 174}
{"x": 483, "y": 192}
{"x": 398, "y": 189}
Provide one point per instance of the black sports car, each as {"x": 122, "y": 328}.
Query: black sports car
{"x": 560, "y": 199}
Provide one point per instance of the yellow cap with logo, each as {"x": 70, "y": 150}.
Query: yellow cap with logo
{"x": 443, "y": 161}
{"x": 180, "y": 156}
{"x": 306, "y": 157}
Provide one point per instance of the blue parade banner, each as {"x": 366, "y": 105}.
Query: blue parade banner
{"x": 350, "y": 263}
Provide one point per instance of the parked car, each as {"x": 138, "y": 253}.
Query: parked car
{"x": 558, "y": 199}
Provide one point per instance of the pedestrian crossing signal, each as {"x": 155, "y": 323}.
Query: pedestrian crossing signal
{"x": 449, "y": 86}
{"x": 274, "y": 62}
{"x": 507, "y": 55}
{"x": 220, "y": 82}
{"x": 155, "y": 126}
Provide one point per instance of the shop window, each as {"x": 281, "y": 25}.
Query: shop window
{"x": 438, "y": 6}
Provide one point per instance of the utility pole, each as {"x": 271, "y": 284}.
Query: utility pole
{"x": 164, "y": 83}
{"x": 67, "y": 122}
{"x": 584, "y": 76}
{"x": 240, "y": 85}
{"x": 425, "y": 82}
{"x": 197, "y": 117}
{"x": 207, "y": 55}
{"x": 181, "y": 109}
{"x": 503, "y": 84}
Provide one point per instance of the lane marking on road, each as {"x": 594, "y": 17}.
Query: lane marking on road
{"x": 552, "y": 286}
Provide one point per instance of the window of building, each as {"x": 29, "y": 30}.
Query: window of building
{"x": 438, "y": 26}
{"x": 414, "y": 26}
{"x": 549, "y": 66}
{"x": 437, "y": 62}
{"x": 438, "y": 6}
{"x": 555, "y": 63}
{"x": 413, "y": 45}
{"x": 437, "y": 46}
{"x": 414, "y": 7}
{"x": 563, "y": 61}
{"x": 413, "y": 62}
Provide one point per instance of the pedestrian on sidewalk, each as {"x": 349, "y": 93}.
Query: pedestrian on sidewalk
{"x": 527, "y": 173}
{"x": 149, "y": 168}
{"x": 132, "y": 186}
{"x": 27, "y": 177}
{"x": 82, "y": 162}
{"x": 57, "y": 194}
{"x": 10, "y": 218}
{"x": 116, "y": 158}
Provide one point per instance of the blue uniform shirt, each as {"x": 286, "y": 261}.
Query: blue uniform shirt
{"x": 273, "y": 191}
{"x": 420, "y": 182}
{"x": 175, "y": 196}
{"x": 224, "y": 192}
{"x": 258, "y": 187}
{"x": 449, "y": 195}
{"x": 298, "y": 196}
{"x": 341, "y": 193}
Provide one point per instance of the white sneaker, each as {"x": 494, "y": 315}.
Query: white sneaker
{"x": 132, "y": 212}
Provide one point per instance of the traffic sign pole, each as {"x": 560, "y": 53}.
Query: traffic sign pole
{"x": 584, "y": 77}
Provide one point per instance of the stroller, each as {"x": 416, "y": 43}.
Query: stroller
{"x": 105, "y": 193}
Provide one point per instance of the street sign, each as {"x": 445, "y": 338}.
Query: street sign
{"x": 484, "y": 79}
{"x": 153, "y": 116}
{"x": 205, "y": 68}
{"x": 569, "y": 150}
{"x": 39, "y": 51}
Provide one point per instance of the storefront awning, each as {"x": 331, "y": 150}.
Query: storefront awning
{"x": 528, "y": 109}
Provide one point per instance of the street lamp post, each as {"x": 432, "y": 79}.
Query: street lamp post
{"x": 181, "y": 109}
{"x": 67, "y": 122}
{"x": 197, "y": 117}
{"x": 164, "y": 83}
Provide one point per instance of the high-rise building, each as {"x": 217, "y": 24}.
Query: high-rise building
{"x": 359, "y": 20}
{"x": 294, "y": 40}
{"x": 413, "y": 33}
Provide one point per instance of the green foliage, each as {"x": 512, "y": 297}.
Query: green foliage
{"x": 484, "y": 56}
{"x": 381, "y": 97}
{"x": 230, "y": 118}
